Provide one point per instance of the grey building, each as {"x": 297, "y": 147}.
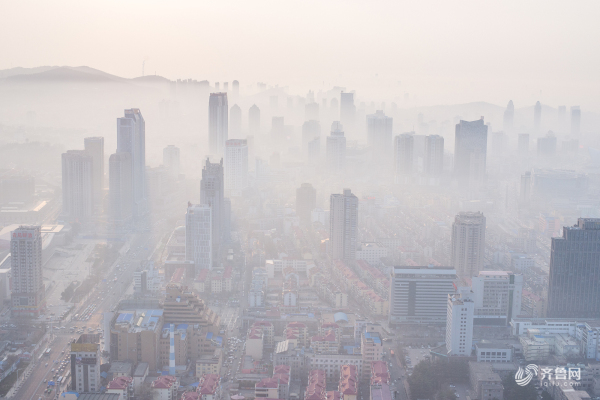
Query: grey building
{"x": 78, "y": 185}
{"x": 218, "y": 123}
{"x": 306, "y": 201}
{"x": 403, "y": 154}
{"x": 470, "y": 154}
{"x": 336, "y": 148}
{"x": 95, "y": 147}
{"x": 120, "y": 190}
{"x": 379, "y": 135}
{"x": 254, "y": 120}
{"x": 212, "y": 194}
{"x": 27, "y": 286}
{"x": 131, "y": 138}
{"x": 468, "y": 243}
{"x": 343, "y": 226}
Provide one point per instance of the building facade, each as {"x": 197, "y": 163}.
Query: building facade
{"x": 468, "y": 243}
{"x": 27, "y": 295}
{"x": 343, "y": 226}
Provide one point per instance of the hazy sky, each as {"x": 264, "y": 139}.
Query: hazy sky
{"x": 441, "y": 51}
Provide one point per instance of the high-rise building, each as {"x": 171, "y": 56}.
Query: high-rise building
{"x": 218, "y": 129}
{"x": 470, "y": 151}
{"x": 131, "y": 138}
{"x": 120, "y": 188}
{"x": 254, "y": 120}
{"x": 235, "y": 121}
{"x": 403, "y": 155}
{"x": 497, "y": 297}
{"x": 525, "y": 189}
{"x": 212, "y": 188}
{"x": 537, "y": 117}
{"x": 347, "y": 110}
{"x": 343, "y": 226}
{"x": 310, "y": 130}
{"x": 468, "y": 243}
{"x": 314, "y": 150}
{"x": 198, "y": 235}
{"x": 306, "y": 201}
{"x": 236, "y": 166}
{"x": 523, "y": 144}
{"x": 420, "y": 294}
{"x": 311, "y": 111}
{"x": 235, "y": 88}
{"x": 171, "y": 161}
{"x": 379, "y": 134}
{"x": 459, "y": 325}
{"x": 509, "y": 117}
{"x": 336, "y": 148}
{"x": 434, "y": 155}
{"x": 575, "y": 121}
{"x": 95, "y": 147}
{"x": 546, "y": 146}
{"x": 78, "y": 184}
{"x": 85, "y": 364}
{"x": 574, "y": 280}
{"x": 562, "y": 118}
{"x": 27, "y": 286}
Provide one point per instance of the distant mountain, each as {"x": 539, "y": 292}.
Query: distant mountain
{"x": 66, "y": 74}
{"x": 5, "y": 73}
{"x": 151, "y": 79}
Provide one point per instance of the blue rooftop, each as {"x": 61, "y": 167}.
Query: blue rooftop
{"x": 340, "y": 316}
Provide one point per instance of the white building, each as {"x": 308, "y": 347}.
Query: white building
{"x": 420, "y": 294}
{"x": 147, "y": 279}
{"x": 236, "y": 166}
{"x": 198, "y": 236}
{"x": 379, "y": 135}
{"x": 319, "y": 215}
{"x": 459, "y": 325}
{"x": 78, "y": 184}
{"x": 27, "y": 297}
{"x": 256, "y": 298}
{"x": 120, "y": 183}
{"x": 171, "y": 160}
{"x": 371, "y": 253}
{"x": 343, "y": 226}
{"x": 493, "y": 352}
{"x": 497, "y": 296}
{"x": 87, "y": 364}
{"x": 332, "y": 363}
{"x": 278, "y": 266}
{"x": 336, "y": 148}
{"x": 468, "y": 243}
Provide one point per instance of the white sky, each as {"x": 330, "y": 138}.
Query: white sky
{"x": 441, "y": 51}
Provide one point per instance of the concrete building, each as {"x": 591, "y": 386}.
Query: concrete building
{"x": 209, "y": 363}
{"x": 306, "y": 201}
{"x": 497, "y": 296}
{"x": 120, "y": 177}
{"x": 94, "y": 146}
{"x": 347, "y": 111}
{"x": 254, "y": 120}
{"x": 172, "y": 161}
{"x": 78, "y": 185}
{"x": 371, "y": 346}
{"x": 459, "y": 325}
{"x": 434, "y": 157}
{"x": 494, "y": 352}
{"x": 236, "y": 166}
{"x": 28, "y": 292}
{"x": 218, "y": 123}
{"x": 575, "y": 121}
{"x": 420, "y": 294}
{"x": 403, "y": 156}
{"x": 122, "y": 385}
{"x": 336, "y": 148}
{"x": 468, "y": 243}
{"x": 85, "y": 363}
{"x": 235, "y": 121}
{"x": 470, "y": 152}
{"x": 379, "y": 136}
{"x": 212, "y": 189}
{"x": 131, "y": 138}
{"x": 485, "y": 383}
{"x": 343, "y": 226}
{"x": 537, "y": 117}
{"x": 371, "y": 253}
{"x": 199, "y": 236}
{"x": 165, "y": 388}
{"x": 311, "y": 130}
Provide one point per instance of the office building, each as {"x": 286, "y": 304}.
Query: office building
{"x": 468, "y": 243}
{"x": 95, "y": 147}
{"x": 314, "y": 150}
{"x": 379, "y": 135}
{"x": 562, "y": 118}
{"x": 171, "y": 161}
{"x": 546, "y": 146}
{"x": 310, "y": 131}
{"x": 575, "y": 121}
{"x": 434, "y": 155}
{"x": 347, "y": 111}
{"x": 235, "y": 88}
{"x": 217, "y": 122}
{"x": 523, "y": 144}
{"x": 131, "y": 138}
{"x": 120, "y": 189}
{"x": 311, "y": 111}
{"x": 343, "y": 226}
{"x": 497, "y": 296}
{"x": 470, "y": 151}
{"x": 537, "y": 117}
{"x": 403, "y": 155}
{"x": 547, "y": 184}
{"x": 85, "y": 364}
{"x": 254, "y": 120}
{"x": 78, "y": 185}
{"x": 236, "y": 166}
{"x": 509, "y": 117}
{"x": 459, "y": 325}
{"x": 525, "y": 190}
{"x": 419, "y": 295}
{"x": 211, "y": 193}
{"x": 336, "y": 148}
{"x": 198, "y": 236}
{"x": 306, "y": 201}
{"x": 27, "y": 287}
{"x": 235, "y": 121}
{"x": 574, "y": 280}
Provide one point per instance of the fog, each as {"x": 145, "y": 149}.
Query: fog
{"x": 232, "y": 169}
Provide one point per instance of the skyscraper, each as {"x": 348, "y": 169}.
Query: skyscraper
{"x": 470, "y": 151}
{"x": 434, "y": 155}
{"x": 306, "y": 201}
{"x": 314, "y": 150}
{"x": 347, "y": 110}
{"x": 403, "y": 155}
{"x": 311, "y": 111}
{"x": 235, "y": 88}
{"x": 27, "y": 286}
{"x": 78, "y": 184}
{"x": 85, "y": 363}
{"x": 198, "y": 236}
{"x": 171, "y": 161}
{"x": 235, "y": 121}
{"x": 212, "y": 188}
{"x": 343, "y": 226}
{"x": 131, "y": 138}
{"x": 509, "y": 117}
{"x": 336, "y": 148}
{"x": 523, "y": 144}
{"x": 468, "y": 243}
{"x": 236, "y": 166}
{"x": 95, "y": 147}
{"x": 562, "y": 118}
{"x": 379, "y": 132}
{"x": 310, "y": 130}
{"x": 574, "y": 280}
{"x": 575, "y": 121}
{"x": 120, "y": 190}
{"x": 218, "y": 128}
{"x": 459, "y": 325}
{"x": 254, "y": 120}
{"x": 537, "y": 117}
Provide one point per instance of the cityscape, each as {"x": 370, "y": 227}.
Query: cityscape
{"x": 345, "y": 236}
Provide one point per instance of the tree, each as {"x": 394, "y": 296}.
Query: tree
{"x": 430, "y": 380}
{"x": 513, "y": 391}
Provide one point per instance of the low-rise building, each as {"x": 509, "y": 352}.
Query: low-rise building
{"x": 209, "y": 387}
{"x": 122, "y": 385}
{"x": 485, "y": 383}
{"x": 165, "y": 388}
{"x": 209, "y": 363}
{"x": 348, "y": 385}
{"x": 493, "y": 352}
